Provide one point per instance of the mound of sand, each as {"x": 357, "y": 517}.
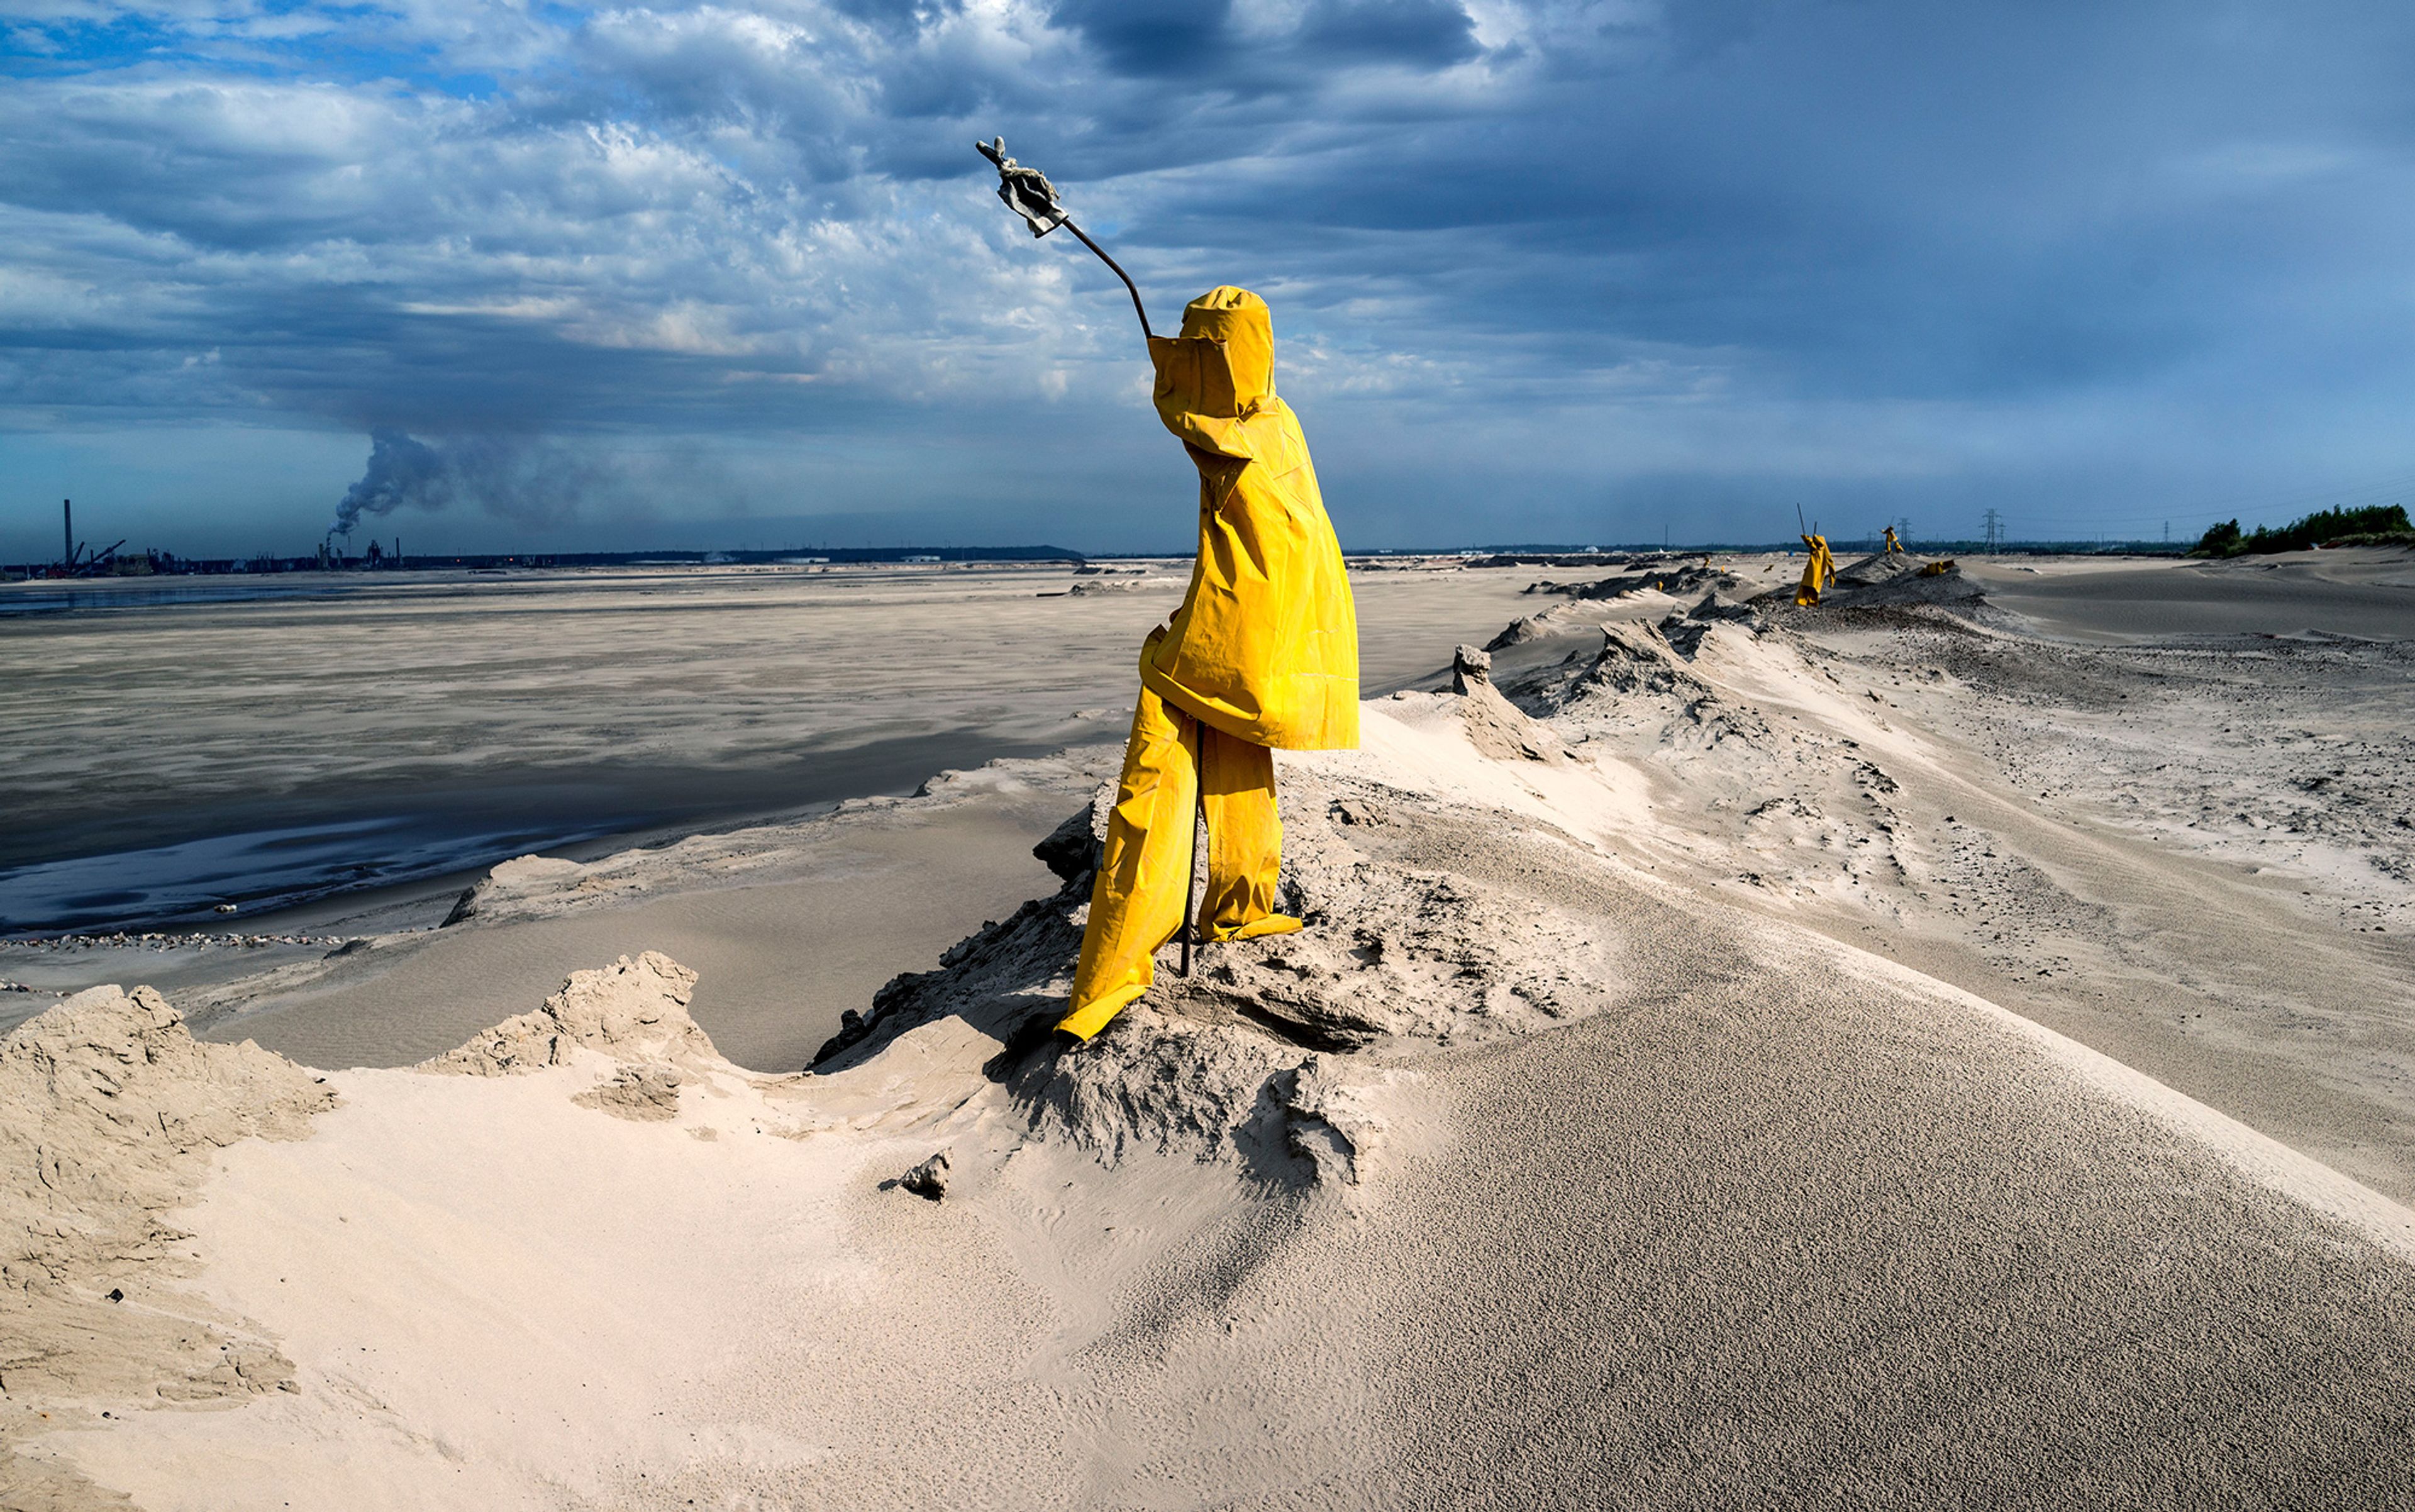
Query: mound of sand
{"x": 110, "y": 1113}
{"x": 1670, "y": 580}
{"x": 632, "y": 1010}
{"x": 1240, "y": 1059}
{"x": 1878, "y": 567}
{"x": 1949, "y": 589}
{"x": 1520, "y": 632}
{"x": 1885, "y": 581}
{"x": 1554, "y": 1163}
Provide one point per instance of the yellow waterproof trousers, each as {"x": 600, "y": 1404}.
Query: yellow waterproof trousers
{"x": 1139, "y": 901}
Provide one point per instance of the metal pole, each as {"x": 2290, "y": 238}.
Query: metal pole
{"x": 1198, "y": 818}
{"x": 67, "y": 507}
{"x": 1129, "y": 286}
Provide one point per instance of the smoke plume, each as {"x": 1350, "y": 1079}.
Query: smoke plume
{"x": 525, "y": 479}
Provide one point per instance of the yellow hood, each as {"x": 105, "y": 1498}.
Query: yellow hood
{"x": 1219, "y": 371}
{"x": 1238, "y": 319}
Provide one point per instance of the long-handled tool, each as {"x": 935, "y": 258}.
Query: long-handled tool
{"x": 1027, "y": 192}
{"x": 1197, "y": 817}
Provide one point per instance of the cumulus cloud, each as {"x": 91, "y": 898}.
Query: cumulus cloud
{"x": 1716, "y": 254}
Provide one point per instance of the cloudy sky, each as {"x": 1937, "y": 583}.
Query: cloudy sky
{"x": 731, "y": 274}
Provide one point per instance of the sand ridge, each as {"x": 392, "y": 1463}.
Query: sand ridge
{"x": 1637, "y": 1124}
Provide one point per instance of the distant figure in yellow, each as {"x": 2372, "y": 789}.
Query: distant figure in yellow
{"x": 1894, "y": 547}
{"x": 1818, "y": 572}
{"x": 1261, "y": 655}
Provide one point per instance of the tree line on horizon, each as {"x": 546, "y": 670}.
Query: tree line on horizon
{"x": 2375, "y": 525}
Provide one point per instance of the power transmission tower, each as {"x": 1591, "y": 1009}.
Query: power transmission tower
{"x": 1995, "y": 527}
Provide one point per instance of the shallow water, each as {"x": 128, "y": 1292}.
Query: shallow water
{"x": 287, "y": 741}
{"x": 131, "y": 594}
{"x": 321, "y": 842}
{"x": 272, "y": 867}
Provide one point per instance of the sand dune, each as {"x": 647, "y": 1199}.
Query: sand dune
{"x": 1713, "y": 1075}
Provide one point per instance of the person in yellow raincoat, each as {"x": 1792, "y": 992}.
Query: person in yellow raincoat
{"x": 1818, "y": 572}
{"x": 1261, "y": 655}
{"x": 1894, "y": 547}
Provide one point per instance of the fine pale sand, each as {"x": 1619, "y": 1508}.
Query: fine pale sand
{"x": 799, "y": 930}
{"x": 1920, "y": 1051}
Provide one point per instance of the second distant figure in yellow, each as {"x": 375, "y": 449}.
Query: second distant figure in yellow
{"x": 1261, "y": 655}
{"x": 1818, "y": 572}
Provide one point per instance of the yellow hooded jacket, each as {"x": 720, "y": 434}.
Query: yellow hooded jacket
{"x": 1266, "y": 645}
{"x": 1819, "y": 570}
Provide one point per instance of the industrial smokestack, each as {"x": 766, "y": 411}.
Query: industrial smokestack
{"x": 67, "y": 507}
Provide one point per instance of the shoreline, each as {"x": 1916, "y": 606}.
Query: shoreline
{"x": 618, "y": 706}
{"x": 487, "y": 826}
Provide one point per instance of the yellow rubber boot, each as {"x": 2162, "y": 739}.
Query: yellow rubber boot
{"x": 1244, "y": 839}
{"x": 1137, "y": 901}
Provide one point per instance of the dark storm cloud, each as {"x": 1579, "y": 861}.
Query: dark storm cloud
{"x": 1209, "y": 44}
{"x": 1154, "y": 41}
{"x": 1580, "y": 262}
